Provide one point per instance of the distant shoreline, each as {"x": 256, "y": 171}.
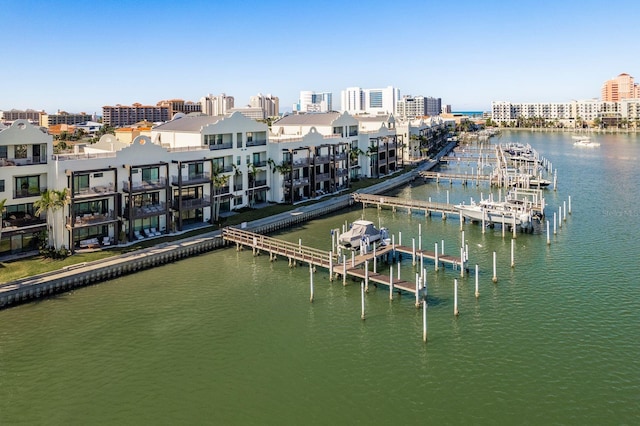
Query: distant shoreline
{"x": 581, "y": 131}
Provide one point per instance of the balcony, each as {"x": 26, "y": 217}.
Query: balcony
{"x": 341, "y": 156}
{"x": 90, "y": 219}
{"x": 146, "y": 211}
{"x": 256, "y": 143}
{"x": 297, "y": 182}
{"x": 29, "y": 161}
{"x": 257, "y": 185}
{"x": 192, "y": 179}
{"x": 190, "y": 204}
{"x": 320, "y": 177}
{"x": 300, "y": 162}
{"x": 16, "y": 220}
{"x": 260, "y": 163}
{"x": 322, "y": 159}
{"x": 145, "y": 185}
{"x": 29, "y": 192}
{"x": 94, "y": 191}
{"x": 218, "y": 146}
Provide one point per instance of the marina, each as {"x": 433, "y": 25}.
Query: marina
{"x": 559, "y": 328}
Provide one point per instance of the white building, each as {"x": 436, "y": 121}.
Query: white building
{"x": 25, "y": 150}
{"x": 216, "y": 105}
{"x": 369, "y": 101}
{"x": 314, "y": 102}
{"x": 268, "y": 103}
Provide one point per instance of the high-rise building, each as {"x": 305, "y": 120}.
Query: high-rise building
{"x": 63, "y": 117}
{"x": 621, "y": 87}
{"x": 314, "y": 102}
{"x": 270, "y": 104}
{"x": 370, "y": 101}
{"x": 410, "y": 107}
{"x": 123, "y": 115}
{"x": 178, "y": 105}
{"x": 433, "y": 106}
{"x": 216, "y": 105}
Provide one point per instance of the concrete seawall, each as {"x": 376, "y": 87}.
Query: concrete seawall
{"x": 74, "y": 276}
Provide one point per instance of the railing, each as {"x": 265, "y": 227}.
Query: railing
{"x": 323, "y": 176}
{"x": 145, "y": 185}
{"x": 260, "y": 163}
{"x": 216, "y": 147}
{"x": 148, "y": 210}
{"x": 192, "y": 179}
{"x": 297, "y": 182}
{"x": 94, "y": 190}
{"x": 89, "y": 219}
{"x": 257, "y": 143}
{"x": 31, "y": 192}
{"x": 340, "y": 157}
{"x": 19, "y": 222}
{"x": 237, "y": 188}
{"x": 322, "y": 159}
{"x": 192, "y": 203}
{"x": 63, "y": 157}
{"x": 23, "y": 161}
{"x": 301, "y": 162}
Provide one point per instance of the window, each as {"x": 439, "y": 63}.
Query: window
{"x": 375, "y": 99}
{"x": 20, "y": 151}
{"x": 3, "y": 152}
{"x": 80, "y": 184}
{"x": 27, "y": 186}
{"x": 337, "y": 130}
{"x": 151, "y": 174}
{"x": 249, "y": 136}
{"x": 218, "y": 164}
{"x": 1, "y": 185}
{"x": 238, "y": 160}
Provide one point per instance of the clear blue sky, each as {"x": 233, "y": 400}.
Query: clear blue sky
{"x": 79, "y": 56}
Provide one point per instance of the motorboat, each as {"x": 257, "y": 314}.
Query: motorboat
{"x": 537, "y": 182}
{"x": 586, "y": 143}
{"x": 363, "y": 232}
{"x": 507, "y": 212}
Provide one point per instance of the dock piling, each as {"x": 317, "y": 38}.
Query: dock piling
{"x": 311, "y": 281}
{"x": 424, "y": 320}
{"x": 362, "y": 299}
{"x": 455, "y": 297}
{"x": 495, "y": 275}
{"x": 477, "y": 289}
{"x": 513, "y": 264}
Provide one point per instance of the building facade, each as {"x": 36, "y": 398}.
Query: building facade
{"x": 16, "y": 114}
{"x": 356, "y": 100}
{"x": 269, "y": 104}
{"x": 63, "y": 117}
{"x": 123, "y": 115}
{"x": 216, "y": 105}
{"x": 176, "y": 106}
{"x": 619, "y": 88}
{"x": 314, "y": 102}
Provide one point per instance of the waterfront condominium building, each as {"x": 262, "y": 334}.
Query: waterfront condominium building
{"x": 567, "y": 113}
{"x": 123, "y": 115}
{"x": 314, "y": 102}
{"x": 25, "y": 150}
{"x": 269, "y": 104}
{"x": 369, "y": 101}
{"x": 216, "y": 105}
{"x": 63, "y": 117}
{"x": 619, "y": 88}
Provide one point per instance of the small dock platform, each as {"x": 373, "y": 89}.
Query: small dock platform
{"x": 354, "y": 266}
{"x": 394, "y": 202}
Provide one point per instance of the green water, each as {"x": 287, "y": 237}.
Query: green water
{"x": 228, "y": 338}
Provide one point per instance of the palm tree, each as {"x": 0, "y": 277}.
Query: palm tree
{"x": 219, "y": 181}
{"x": 50, "y": 201}
{"x": 253, "y": 171}
{"x": 285, "y": 168}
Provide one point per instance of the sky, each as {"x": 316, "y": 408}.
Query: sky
{"x": 79, "y": 56}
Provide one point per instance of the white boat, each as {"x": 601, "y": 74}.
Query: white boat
{"x": 586, "y": 143}
{"x": 507, "y": 212}
{"x": 362, "y": 232}
{"x": 535, "y": 182}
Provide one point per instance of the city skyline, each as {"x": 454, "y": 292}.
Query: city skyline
{"x": 62, "y": 57}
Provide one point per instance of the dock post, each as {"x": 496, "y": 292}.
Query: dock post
{"x": 442, "y": 248}
{"x": 420, "y": 236}
{"x": 503, "y": 226}
{"x": 421, "y": 261}
{"x": 477, "y": 290}
{"x": 331, "y": 266}
{"x": 311, "y": 282}
{"x": 495, "y": 275}
{"x": 375, "y": 260}
{"x": 555, "y": 179}
{"x": 353, "y": 259}
{"x": 344, "y": 270}
{"x": 300, "y": 245}
{"x": 436, "y": 252}
{"x": 391, "y": 283}
{"x": 514, "y": 226}
{"x": 559, "y": 216}
{"x": 424, "y": 320}
{"x": 333, "y": 240}
{"x": 461, "y": 262}
{"x": 362, "y": 298}
{"x": 413, "y": 251}
{"x": 366, "y": 276}
{"x": 424, "y": 282}
{"x": 399, "y": 238}
{"x": 447, "y": 196}
{"x": 569, "y": 204}
{"x": 513, "y": 263}
{"x": 483, "y": 221}
{"x": 417, "y": 290}
{"x": 398, "y": 271}
{"x": 554, "y": 223}
{"x": 564, "y": 210}
{"x": 393, "y": 246}
{"x": 455, "y": 297}
{"x": 548, "y": 239}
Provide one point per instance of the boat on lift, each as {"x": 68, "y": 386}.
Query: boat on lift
{"x": 363, "y": 233}
{"x": 508, "y": 212}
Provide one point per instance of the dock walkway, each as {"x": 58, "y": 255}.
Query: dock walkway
{"x": 395, "y": 202}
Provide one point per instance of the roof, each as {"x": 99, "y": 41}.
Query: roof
{"x": 311, "y": 119}
{"x": 188, "y": 123}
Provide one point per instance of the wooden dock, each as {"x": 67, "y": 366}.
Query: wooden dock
{"x": 464, "y": 177}
{"x": 353, "y": 266}
{"x": 395, "y": 202}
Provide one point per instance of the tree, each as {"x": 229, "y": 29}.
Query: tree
{"x": 50, "y": 201}
{"x": 253, "y": 171}
{"x": 219, "y": 181}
